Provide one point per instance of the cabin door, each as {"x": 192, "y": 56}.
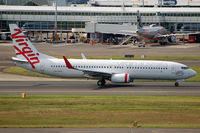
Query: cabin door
{"x": 173, "y": 70}
{"x": 42, "y": 68}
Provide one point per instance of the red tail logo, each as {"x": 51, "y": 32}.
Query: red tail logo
{"x": 26, "y": 51}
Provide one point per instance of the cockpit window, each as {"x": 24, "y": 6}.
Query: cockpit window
{"x": 184, "y": 68}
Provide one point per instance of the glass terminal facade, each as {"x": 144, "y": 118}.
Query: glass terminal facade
{"x": 172, "y": 19}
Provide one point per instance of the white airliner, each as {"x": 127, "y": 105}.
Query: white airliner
{"x": 117, "y": 71}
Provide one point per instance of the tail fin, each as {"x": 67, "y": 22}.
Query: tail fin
{"x": 24, "y": 49}
{"x": 139, "y": 21}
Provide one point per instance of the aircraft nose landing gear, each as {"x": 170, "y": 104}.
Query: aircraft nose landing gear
{"x": 176, "y": 84}
{"x": 101, "y": 82}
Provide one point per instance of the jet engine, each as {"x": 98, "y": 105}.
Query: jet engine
{"x": 120, "y": 78}
{"x": 172, "y": 39}
{"x": 3, "y": 36}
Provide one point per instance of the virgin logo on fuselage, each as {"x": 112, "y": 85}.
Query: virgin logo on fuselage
{"x": 26, "y": 51}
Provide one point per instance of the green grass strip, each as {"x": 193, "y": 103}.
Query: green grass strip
{"x": 99, "y": 111}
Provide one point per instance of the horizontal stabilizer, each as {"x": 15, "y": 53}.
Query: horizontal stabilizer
{"x": 19, "y": 60}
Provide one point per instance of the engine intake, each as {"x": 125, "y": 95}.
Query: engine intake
{"x": 120, "y": 78}
{"x": 3, "y": 36}
{"x": 172, "y": 39}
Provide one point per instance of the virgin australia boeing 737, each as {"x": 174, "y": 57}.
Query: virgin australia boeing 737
{"x": 117, "y": 71}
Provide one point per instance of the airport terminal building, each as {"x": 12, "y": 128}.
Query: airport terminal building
{"x": 76, "y": 17}
{"x": 42, "y": 18}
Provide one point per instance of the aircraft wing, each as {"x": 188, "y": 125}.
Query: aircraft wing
{"x": 89, "y": 73}
{"x": 5, "y": 33}
{"x": 127, "y": 32}
{"x": 177, "y": 34}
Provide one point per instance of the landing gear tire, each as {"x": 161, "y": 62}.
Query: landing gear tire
{"x": 101, "y": 82}
{"x": 176, "y": 84}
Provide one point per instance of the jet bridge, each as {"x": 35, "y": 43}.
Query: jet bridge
{"x": 114, "y": 32}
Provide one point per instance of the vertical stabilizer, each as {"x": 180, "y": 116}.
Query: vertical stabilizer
{"x": 24, "y": 49}
{"x": 23, "y": 46}
{"x": 139, "y": 21}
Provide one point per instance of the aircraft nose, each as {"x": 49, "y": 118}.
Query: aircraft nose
{"x": 192, "y": 73}
{"x": 139, "y": 32}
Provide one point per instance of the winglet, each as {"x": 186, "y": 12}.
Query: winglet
{"x": 83, "y": 56}
{"x": 67, "y": 63}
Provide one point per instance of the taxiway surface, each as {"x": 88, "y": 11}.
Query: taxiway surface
{"x": 89, "y": 87}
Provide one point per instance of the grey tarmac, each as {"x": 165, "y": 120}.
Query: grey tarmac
{"x": 89, "y": 87}
{"x": 96, "y": 130}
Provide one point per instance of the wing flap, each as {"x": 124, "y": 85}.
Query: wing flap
{"x": 93, "y": 73}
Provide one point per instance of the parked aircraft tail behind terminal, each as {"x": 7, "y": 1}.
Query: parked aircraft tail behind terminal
{"x": 116, "y": 71}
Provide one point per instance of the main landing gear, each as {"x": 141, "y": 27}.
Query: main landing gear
{"x": 101, "y": 82}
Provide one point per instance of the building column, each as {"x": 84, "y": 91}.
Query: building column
{"x": 61, "y": 35}
{"x": 47, "y": 35}
{"x": 40, "y": 35}
{"x": 92, "y": 37}
{"x": 175, "y": 27}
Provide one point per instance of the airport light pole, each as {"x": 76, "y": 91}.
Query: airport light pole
{"x": 143, "y": 3}
{"x": 55, "y": 26}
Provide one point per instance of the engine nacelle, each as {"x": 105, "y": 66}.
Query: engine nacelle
{"x": 172, "y": 39}
{"x": 120, "y": 78}
{"x": 3, "y": 36}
